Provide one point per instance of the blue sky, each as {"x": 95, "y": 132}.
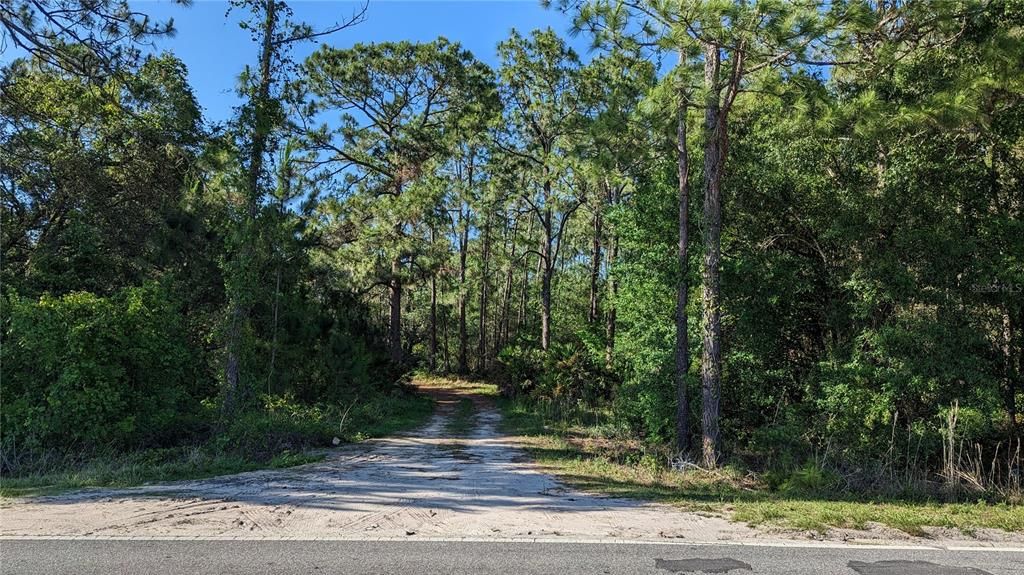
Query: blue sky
{"x": 216, "y": 50}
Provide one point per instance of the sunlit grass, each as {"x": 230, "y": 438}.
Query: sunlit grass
{"x": 467, "y": 386}
{"x": 462, "y": 420}
{"x": 584, "y": 458}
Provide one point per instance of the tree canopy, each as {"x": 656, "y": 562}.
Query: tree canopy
{"x": 807, "y": 214}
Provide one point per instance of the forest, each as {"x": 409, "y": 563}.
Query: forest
{"x": 784, "y": 236}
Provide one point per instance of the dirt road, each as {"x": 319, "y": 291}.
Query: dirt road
{"x": 424, "y": 484}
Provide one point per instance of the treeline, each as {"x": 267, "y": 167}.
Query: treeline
{"x": 768, "y": 232}
{"x": 166, "y": 284}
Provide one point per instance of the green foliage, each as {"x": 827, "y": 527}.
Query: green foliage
{"x": 170, "y": 286}
{"x": 462, "y": 421}
{"x": 87, "y": 371}
{"x": 286, "y": 425}
{"x": 809, "y": 478}
{"x": 76, "y": 158}
{"x": 282, "y": 433}
{"x": 565, "y": 378}
{"x": 646, "y": 399}
{"x": 522, "y": 369}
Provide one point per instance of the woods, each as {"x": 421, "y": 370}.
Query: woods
{"x": 763, "y": 235}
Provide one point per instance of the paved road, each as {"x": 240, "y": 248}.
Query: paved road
{"x": 154, "y": 557}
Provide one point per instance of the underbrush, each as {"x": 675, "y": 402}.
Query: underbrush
{"x": 138, "y": 467}
{"x": 588, "y": 450}
{"x": 281, "y": 433}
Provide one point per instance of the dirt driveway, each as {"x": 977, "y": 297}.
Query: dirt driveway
{"x": 423, "y": 484}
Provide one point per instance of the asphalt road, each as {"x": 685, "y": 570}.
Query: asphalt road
{"x": 117, "y": 557}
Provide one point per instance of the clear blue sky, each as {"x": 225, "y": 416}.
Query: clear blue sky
{"x": 216, "y": 50}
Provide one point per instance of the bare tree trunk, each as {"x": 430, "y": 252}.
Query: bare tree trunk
{"x": 463, "y": 335}
{"x": 547, "y": 270}
{"x": 414, "y": 333}
{"x": 433, "y": 323}
{"x": 1010, "y": 372}
{"x": 273, "y": 338}
{"x": 610, "y": 313}
{"x": 395, "y": 323}
{"x": 595, "y": 265}
{"x": 507, "y": 292}
{"x": 711, "y": 369}
{"x": 481, "y": 362}
{"x": 285, "y": 187}
{"x": 231, "y": 366}
{"x": 464, "y": 212}
{"x": 432, "y": 347}
{"x": 444, "y": 343}
{"x": 682, "y": 352}
{"x": 545, "y": 308}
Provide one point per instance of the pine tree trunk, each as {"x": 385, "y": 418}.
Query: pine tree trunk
{"x": 231, "y": 365}
{"x": 286, "y": 183}
{"x": 507, "y": 291}
{"x": 395, "y": 323}
{"x": 711, "y": 368}
{"x": 433, "y": 323}
{"x": 1010, "y": 373}
{"x": 463, "y": 334}
{"x": 273, "y": 329}
{"x": 547, "y": 270}
{"x": 481, "y": 362}
{"x": 612, "y": 254}
{"x": 682, "y": 351}
{"x": 444, "y": 343}
{"x": 260, "y": 132}
{"x": 545, "y": 308}
{"x": 610, "y": 306}
{"x": 524, "y": 296}
{"x": 595, "y": 266}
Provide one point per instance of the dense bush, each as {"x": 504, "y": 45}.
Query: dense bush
{"x": 565, "y": 378}
{"x": 86, "y": 371}
{"x": 521, "y": 370}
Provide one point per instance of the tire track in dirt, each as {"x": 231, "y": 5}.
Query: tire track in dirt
{"x": 479, "y": 484}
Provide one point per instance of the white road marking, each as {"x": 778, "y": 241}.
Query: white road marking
{"x": 568, "y": 540}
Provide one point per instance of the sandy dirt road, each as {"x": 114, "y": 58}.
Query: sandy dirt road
{"x": 423, "y": 484}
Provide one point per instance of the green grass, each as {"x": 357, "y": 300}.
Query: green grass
{"x": 388, "y": 417}
{"x": 585, "y": 458}
{"x": 136, "y": 468}
{"x": 473, "y": 386}
{"x": 462, "y": 420}
{"x": 284, "y": 435}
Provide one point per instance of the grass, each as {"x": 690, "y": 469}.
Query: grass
{"x": 462, "y": 420}
{"x": 139, "y": 467}
{"x": 283, "y": 435}
{"x": 586, "y": 458}
{"x": 389, "y": 416}
{"x": 472, "y": 386}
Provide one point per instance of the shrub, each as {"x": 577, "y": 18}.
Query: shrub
{"x": 85, "y": 371}
{"x": 565, "y": 379}
{"x": 520, "y": 370}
